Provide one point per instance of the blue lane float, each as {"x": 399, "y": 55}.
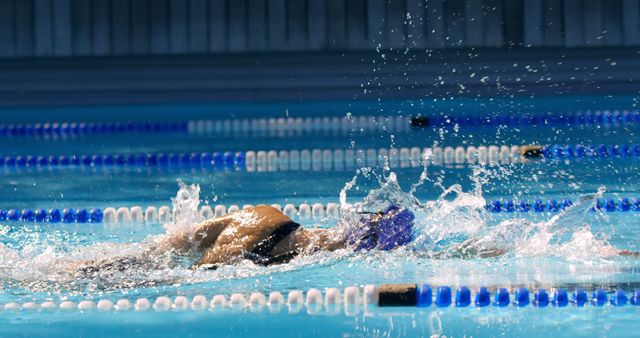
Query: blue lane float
{"x": 554, "y": 205}
{"x": 541, "y": 298}
{"x": 635, "y": 299}
{"x": 443, "y": 296}
{"x": 599, "y": 297}
{"x": 13, "y": 215}
{"x": 483, "y": 297}
{"x": 67, "y": 215}
{"x": 560, "y": 298}
{"x": 580, "y": 298}
{"x": 27, "y": 215}
{"x": 606, "y": 117}
{"x": 558, "y": 151}
{"x": 216, "y": 160}
{"x": 463, "y": 296}
{"x": 521, "y": 297}
{"x": 502, "y": 297}
{"x": 81, "y": 128}
{"x": 619, "y": 298}
{"x": 424, "y": 296}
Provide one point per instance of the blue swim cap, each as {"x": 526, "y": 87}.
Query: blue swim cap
{"x": 386, "y": 230}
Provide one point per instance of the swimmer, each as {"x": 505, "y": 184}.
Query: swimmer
{"x": 266, "y": 236}
{"x": 531, "y": 151}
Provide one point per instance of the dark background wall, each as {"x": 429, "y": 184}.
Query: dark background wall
{"x": 86, "y": 52}
{"x": 61, "y": 28}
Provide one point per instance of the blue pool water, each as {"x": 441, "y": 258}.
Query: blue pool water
{"x": 572, "y": 249}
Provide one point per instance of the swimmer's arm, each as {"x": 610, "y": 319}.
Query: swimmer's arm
{"x": 470, "y": 248}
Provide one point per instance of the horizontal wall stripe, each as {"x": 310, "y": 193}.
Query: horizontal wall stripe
{"x": 44, "y": 28}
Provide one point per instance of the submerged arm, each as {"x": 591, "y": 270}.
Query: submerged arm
{"x": 470, "y": 248}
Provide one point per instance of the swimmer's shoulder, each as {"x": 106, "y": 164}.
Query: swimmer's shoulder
{"x": 270, "y": 213}
{"x": 253, "y": 224}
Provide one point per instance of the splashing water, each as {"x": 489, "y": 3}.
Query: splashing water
{"x": 185, "y": 212}
{"x": 457, "y": 218}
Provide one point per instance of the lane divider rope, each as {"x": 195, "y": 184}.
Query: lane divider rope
{"x": 283, "y": 160}
{"x": 323, "y": 159}
{"x": 153, "y": 215}
{"x": 286, "y": 126}
{"x": 553, "y": 205}
{"x": 82, "y": 128}
{"x": 351, "y": 300}
{"x": 289, "y": 126}
{"x": 315, "y": 211}
{"x": 598, "y": 117}
{"x": 591, "y": 151}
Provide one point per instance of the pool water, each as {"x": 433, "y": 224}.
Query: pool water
{"x": 571, "y": 249}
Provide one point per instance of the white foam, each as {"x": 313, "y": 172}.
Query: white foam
{"x": 456, "y": 214}
{"x": 185, "y": 210}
